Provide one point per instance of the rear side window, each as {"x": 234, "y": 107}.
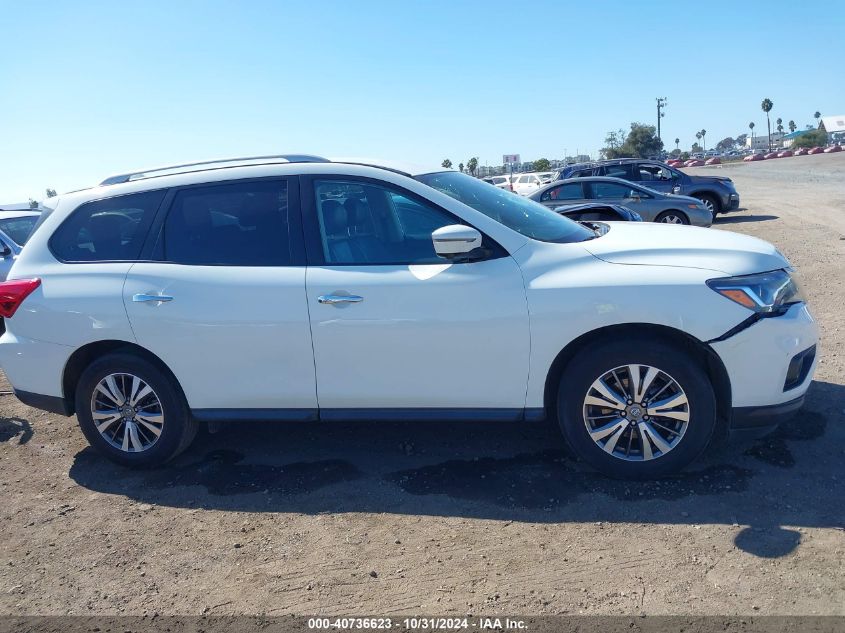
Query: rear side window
{"x": 571, "y": 191}
{"x": 106, "y": 230}
{"x": 18, "y": 229}
{"x": 239, "y": 224}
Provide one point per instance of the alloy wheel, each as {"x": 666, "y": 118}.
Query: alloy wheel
{"x": 636, "y": 412}
{"x": 127, "y": 412}
{"x": 671, "y": 218}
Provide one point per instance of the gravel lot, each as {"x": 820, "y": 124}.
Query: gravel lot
{"x": 452, "y": 519}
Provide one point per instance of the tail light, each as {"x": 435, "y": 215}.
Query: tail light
{"x": 12, "y": 294}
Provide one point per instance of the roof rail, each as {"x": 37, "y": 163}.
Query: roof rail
{"x": 149, "y": 173}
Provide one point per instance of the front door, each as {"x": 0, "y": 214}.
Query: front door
{"x": 222, "y": 302}
{"x": 398, "y": 331}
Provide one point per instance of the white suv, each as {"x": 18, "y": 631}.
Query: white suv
{"x": 295, "y": 288}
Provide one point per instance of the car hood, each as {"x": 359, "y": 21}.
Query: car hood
{"x": 700, "y": 180}
{"x": 650, "y": 244}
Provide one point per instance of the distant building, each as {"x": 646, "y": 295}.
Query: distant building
{"x": 834, "y": 126}
{"x": 761, "y": 141}
{"x": 789, "y": 139}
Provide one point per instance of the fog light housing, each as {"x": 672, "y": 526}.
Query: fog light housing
{"x": 799, "y": 367}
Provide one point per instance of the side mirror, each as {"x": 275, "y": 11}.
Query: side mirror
{"x": 5, "y": 251}
{"x": 635, "y": 196}
{"x": 676, "y": 189}
{"x": 455, "y": 240}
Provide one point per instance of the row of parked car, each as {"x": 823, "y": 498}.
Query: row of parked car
{"x": 646, "y": 189}
{"x": 787, "y": 153}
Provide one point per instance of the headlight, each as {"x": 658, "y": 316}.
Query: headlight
{"x": 766, "y": 293}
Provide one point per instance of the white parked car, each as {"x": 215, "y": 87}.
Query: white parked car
{"x": 15, "y": 227}
{"x": 526, "y": 184}
{"x": 296, "y": 288}
{"x": 502, "y": 182}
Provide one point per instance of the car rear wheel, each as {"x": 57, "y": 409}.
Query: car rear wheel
{"x": 672, "y": 217}
{"x": 636, "y": 409}
{"x": 132, "y": 412}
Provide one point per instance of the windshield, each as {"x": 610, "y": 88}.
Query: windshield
{"x": 524, "y": 216}
{"x": 18, "y": 229}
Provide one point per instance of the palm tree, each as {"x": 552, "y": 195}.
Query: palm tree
{"x": 767, "y": 106}
{"x": 446, "y": 163}
{"x": 703, "y": 143}
{"x": 698, "y": 136}
{"x": 751, "y": 127}
{"x": 677, "y": 142}
{"x": 461, "y": 167}
{"x": 780, "y": 125}
{"x": 792, "y": 126}
{"x": 817, "y": 115}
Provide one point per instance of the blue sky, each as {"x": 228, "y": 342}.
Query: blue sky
{"x": 92, "y": 88}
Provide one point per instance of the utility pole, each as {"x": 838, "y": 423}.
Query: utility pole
{"x": 661, "y": 103}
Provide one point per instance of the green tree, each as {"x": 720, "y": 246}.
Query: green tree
{"x": 447, "y": 164}
{"x": 461, "y": 167}
{"x": 751, "y": 127}
{"x": 542, "y": 164}
{"x": 780, "y": 125}
{"x": 677, "y": 142}
{"x": 33, "y": 204}
{"x": 766, "y": 105}
{"x": 640, "y": 142}
{"x": 792, "y": 126}
{"x": 817, "y": 115}
{"x": 695, "y": 148}
{"x": 740, "y": 140}
{"x": 472, "y": 165}
{"x": 703, "y": 143}
{"x": 698, "y": 136}
{"x": 51, "y": 193}
{"x": 725, "y": 144}
{"x": 810, "y": 138}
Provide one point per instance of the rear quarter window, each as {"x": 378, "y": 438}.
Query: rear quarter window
{"x": 112, "y": 229}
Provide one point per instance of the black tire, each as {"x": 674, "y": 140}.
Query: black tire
{"x": 594, "y": 361}
{"x": 178, "y": 429}
{"x": 664, "y": 217}
{"x": 712, "y": 203}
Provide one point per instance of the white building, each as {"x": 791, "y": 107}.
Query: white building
{"x": 761, "y": 141}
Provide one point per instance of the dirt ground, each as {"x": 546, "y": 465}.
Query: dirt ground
{"x": 452, "y": 519}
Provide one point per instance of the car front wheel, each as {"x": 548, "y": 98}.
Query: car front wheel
{"x": 711, "y": 203}
{"x": 672, "y": 217}
{"x": 132, "y": 412}
{"x": 636, "y": 409}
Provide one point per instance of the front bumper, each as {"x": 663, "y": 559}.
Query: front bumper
{"x": 758, "y": 359}
{"x": 732, "y": 202}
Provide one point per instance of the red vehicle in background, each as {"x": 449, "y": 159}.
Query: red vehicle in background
{"x": 816, "y": 150}
{"x": 693, "y": 163}
{"x": 771, "y": 155}
{"x": 785, "y": 154}
{"x": 833, "y": 149}
{"x": 713, "y": 161}
{"x": 801, "y": 151}
{"x": 751, "y": 158}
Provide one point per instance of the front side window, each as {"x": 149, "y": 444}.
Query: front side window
{"x": 18, "y": 229}
{"x": 107, "y": 230}
{"x": 611, "y": 190}
{"x": 368, "y": 224}
{"x": 238, "y": 224}
{"x": 519, "y": 214}
{"x": 572, "y": 191}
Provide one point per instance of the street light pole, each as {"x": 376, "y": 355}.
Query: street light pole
{"x": 661, "y": 103}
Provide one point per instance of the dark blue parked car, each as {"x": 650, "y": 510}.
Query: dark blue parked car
{"x": 716, "y": 192}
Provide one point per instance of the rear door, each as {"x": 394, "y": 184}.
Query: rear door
{"x": 654, "y": 176}
{"x": 221, "y": 299}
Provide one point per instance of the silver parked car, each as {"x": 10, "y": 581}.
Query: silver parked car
{"x": 15, "y": 228}
{"x": 652, "y": 205}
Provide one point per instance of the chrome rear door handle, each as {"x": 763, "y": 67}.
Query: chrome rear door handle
{"x": 139, "y": 298}
{"x": 332, "y": 299}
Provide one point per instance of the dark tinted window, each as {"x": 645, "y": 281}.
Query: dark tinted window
{"x": 240, "y": 224}
{"x": 603, "y": 190}
{"x": 625, "y": 172}
{"x": 107, "y": 230}
{"x": 582, "y": 173}
{"x": 18, "y": 229}
{"x": 572, "y": 191}
{"x": 362, "y": 223}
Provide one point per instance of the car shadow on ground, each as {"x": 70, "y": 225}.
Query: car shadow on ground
{"x": 15, "y": 429}
{"x": 740, "y": 219}
{"x": 513, "y": 472}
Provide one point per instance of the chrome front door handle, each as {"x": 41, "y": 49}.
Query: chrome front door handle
{"x": 333, "y": 299}
{"x": 140, "y": 298}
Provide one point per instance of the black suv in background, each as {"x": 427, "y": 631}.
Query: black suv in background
{"x": 716, "y": 192}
